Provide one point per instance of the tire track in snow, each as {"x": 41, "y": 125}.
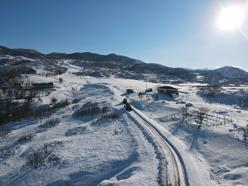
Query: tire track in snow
{"x": 159, "y": 155}
{"x": 174, "y": 168}
{"x": 159, "y": 141}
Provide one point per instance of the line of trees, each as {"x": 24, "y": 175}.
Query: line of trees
{"x": 17, "y": 97}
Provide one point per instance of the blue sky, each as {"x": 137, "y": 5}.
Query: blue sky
{"x": 174, "y": 33}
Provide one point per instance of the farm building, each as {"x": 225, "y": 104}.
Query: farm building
{"x": 168, "y": 90}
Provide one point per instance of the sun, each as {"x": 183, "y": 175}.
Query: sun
{"x": 231, "y": 18}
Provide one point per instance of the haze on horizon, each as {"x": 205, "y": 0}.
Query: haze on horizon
{"x": 172, "y": 33}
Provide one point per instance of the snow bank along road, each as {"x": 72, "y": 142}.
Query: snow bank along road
{"x": 177, "y": 165}
{"x": 172, "y": 168}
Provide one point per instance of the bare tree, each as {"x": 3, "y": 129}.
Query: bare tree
{"x": 185, "y": 113}
{"x": 245, "y": 132}
{"x": 201, "y": 115}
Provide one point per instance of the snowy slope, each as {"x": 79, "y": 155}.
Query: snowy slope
{"x": 92, "y": 150}
{"x": 232, "y": 72}
{"x": 83, "y": 151}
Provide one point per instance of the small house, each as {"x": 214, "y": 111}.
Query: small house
{"x": 168, "y": 90}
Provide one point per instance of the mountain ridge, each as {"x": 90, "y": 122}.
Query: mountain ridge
{"x": 124, "y": 63}
{"x": 232, "y": 72}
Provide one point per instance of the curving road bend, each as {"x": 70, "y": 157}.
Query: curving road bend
{"x": 172, "y": 170}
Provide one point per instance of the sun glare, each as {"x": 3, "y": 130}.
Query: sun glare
{"x": 231, "y": 18}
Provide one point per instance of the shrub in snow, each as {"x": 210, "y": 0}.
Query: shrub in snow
{"x": 76, "y": 100}
{"x": 51, "y": 122}
{"x": 61, "y": 104}
{"x": 92, "y": 109}
{"x": 4, "y": 132}
{"x": 110, "y": 115}
{"x": 6, "y": 152}
{"x": 75, "y": 131}
{"x": 101, "y": 110}
{"x": 43, "y": 157}
{"x": 25, "y": 138}
{"x": 61, "y": 80}
{"x": 53, "y": 101}
{"x": 46, "y": 108}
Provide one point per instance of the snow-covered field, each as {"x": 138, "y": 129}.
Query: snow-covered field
{"x": 92, "y": 149}
{"x": 83, "y": 150}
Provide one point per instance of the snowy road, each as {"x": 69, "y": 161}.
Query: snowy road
{"x": 172, "y": 168}
{"x": 132, "y": 150}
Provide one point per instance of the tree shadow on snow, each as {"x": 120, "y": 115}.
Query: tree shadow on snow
{"x": 195, "y": 137}
{"x": 178, "y": 126}
{"x": 195, "y": 133}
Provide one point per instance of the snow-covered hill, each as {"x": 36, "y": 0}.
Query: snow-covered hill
{"x": 98, "y": 65}
{"x": 86, "y": 137}
{"x": 232, "y": 72}
{"x": 73, "y": 146}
